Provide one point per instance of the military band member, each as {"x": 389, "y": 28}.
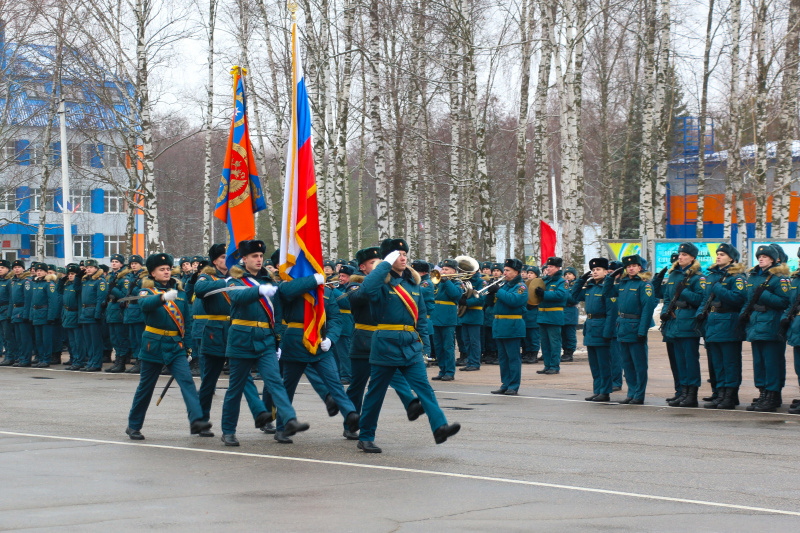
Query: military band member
{"x": 342, "y": 346}
{"x": 426, "y": 287}
{"x": 635, "y": 303}
{"x": 768, "y": 290}
{"x": 569, "y": 335}
{"x": 251, "y": 339}
{"x": 490, "y": 345}
{"x": 117, "y": 330}
{"x": 398, "y": 306}
{"x": 551, "y": 315}
{"x": 133, "y": 315}
{"x": 684, "y": 290}
{"x": 471, "y": 323}
{"x": 328, "y": 269}
{"x": 166, "y": 314}
{"x": 445, "y": 319}
{"x": 7, "y": 339}
{"x": 531, "y": 344}
{"x": 509, "y": 327}
{"x": 719, "y": 315}
{"x": 595, "y": 292}
{"x": 20, "y": 291}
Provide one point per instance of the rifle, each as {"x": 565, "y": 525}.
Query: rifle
{"x": 669, "y": 314}
{"x": 793, "y": 310}
{"x": 744, "y": 317}
{"x": 699, "y": 319}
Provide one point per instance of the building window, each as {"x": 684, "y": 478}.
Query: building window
{"x": 113, "y": 202}
{"x": 36, "y": 154}
{"x": 75, "y": 154}
{"x": 115, "y": 244}
{"x": 113, "y": 158}
{"x": 9, "y": 152}
{"x": 36, "y": 199}
{"x": 81, "y": 200}
{"x": 49, "y": 245}
{"x": 82, "y": 246}
{"x": 8, "y": 201}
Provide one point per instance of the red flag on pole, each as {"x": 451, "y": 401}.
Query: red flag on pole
{"x": 548, "y": 238}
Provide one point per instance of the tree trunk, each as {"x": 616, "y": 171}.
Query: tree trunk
{"x": 373, "y": 65}
{"x": 208, "y": 193}
{"x": 662, "y": 137}
{"x": 646, "y": 214}
{"x": 701, "y": 160}
{"x": 733, "y": 172}
{"x": 526, "y": 38}
{"x": 149, "y": 196}
{"x": 760, "y": 167}
{"x": 455, "y": 138}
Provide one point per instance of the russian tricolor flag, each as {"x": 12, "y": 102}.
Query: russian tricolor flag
{"x": 301, "y": 245}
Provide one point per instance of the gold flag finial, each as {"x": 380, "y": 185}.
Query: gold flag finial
{"x": 292, "y": 6}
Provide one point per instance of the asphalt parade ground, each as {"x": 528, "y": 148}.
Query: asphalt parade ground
{"x": 543, "y": 461}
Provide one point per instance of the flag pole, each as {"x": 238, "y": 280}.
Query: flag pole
{"x": 65, "y": 196}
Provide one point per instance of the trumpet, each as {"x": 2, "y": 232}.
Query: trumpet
{"x": 500, "y": 281}
{"x": 437, "y": 277}
{"x": 467, "y": 266}
{"x": 332, "y": 284}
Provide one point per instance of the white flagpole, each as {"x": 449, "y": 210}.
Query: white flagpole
{"x": 65, "y": 197}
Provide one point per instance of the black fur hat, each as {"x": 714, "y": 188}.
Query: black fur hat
{"x": 554, "y": 261}
{"x": 516, "y": 264}
{"x": 215, "y": 251}
{"x": 632, "y": 260}
{"x": 420, "y": 266}
{"x": 730, "y": 251}
{"x": 251, "y": 247}
{"x": 598, "y": 262}
{"x": 390, "y": 245}
{"x": 365, "y": 254}
{"x": 156, "y": 260}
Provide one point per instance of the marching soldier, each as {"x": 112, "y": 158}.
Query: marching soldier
{"x": 93, "y": 295}
{"x": 530, "y": 345}
{"x": 445, "y": 318}
{"x": 251, "y": 339}
{"x": 426, "y": 287}
{"x": 767, "y": 299}
{"x": 166, "y": 311}
{"x": 45, "y": 309}
{"x": 20, "y": 305}
{"x": 116, "y": 329}
{"x": 569, "y": 335}
{"x": 509, "y": 327}
{"x": 398, "y": 306}
{"x": 551, "y": 315}
{"x": 133, "y": 315}
{"x": 594, "y": 289}
{"x": 683, "y": 294}
{"x": 635, "y": 303}
{"x": 216, "y": 310}
{"x": 7, "y": 340}
{"x": 70, "y": 289}
{"x": 719, "y": 313}
{"x": 471, "y": 323}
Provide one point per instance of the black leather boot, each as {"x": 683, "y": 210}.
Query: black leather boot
{"x": 119, "y": 365}
{"x": 682, "y": 396}
{"x": 757, "y": 401}
{"x": 713, "y": 401}
{"x": 691, "y": 398}
{"x": 769, "y": 404}
{"x": 730, "y": 399}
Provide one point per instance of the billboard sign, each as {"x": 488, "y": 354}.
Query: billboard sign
{"x": 790, "y": 247}
{"x": 707, "y": 255}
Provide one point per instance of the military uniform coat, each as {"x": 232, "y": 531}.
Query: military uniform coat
{"x": 214, "y": 332}
{"x": 114, "y": 313}
{"x": 445, "y": 311}
{"x": 726, "y": 288}
{"x": 131, "y": 285}
{"x": 45, "y": 301}
{"x": 157, "y": 348}
{"x": 765, "y": 320}
{"x": 364, "y": 322}
{"x": 5, "y": 296}
{"x": 510, "y": 302}
{"x": 292, "y": 304}
{"x": 426, "y": 287}
{"x": 551, "y": 308}
{"x": 20, "y": 297}
{"x": 691, "y": 298}
{"x": 635, "y": 304}
{"x": 473, "y": 316}
{"x": 93, "y": 296}
{"x": 793, "y": 334}
{"x": 70, "y": 303}
{"x": 596, "y": 297}
{"x": 249, "y": 342}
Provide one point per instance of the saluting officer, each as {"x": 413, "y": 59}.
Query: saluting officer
{"x": 719, "y": 312}
{"x": 445, "y": 318}
{"x": 683, "y": 293}
{"x": 398, "y": 306}
{"x": 635, "y": 304}
{"x": 595, "y": 291}
{"x": 251, "y": 339}
{"x": 767, "y": 299}
{"x": 20, "y": 305}
{"x": 7, "y": 340}
{"x": 509, "y": 327}
{"x": 551, "y": 315}
{"x": 166, "y": 313}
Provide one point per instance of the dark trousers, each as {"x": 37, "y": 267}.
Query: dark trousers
{"x": 773, "y": 355}
{"x": 687, "y": 357}
{"x": 77, "y": 348}
{"x": 120, "y": 340}
{"x": 240, "y": 370}
{"x": 326, "y": 369}
{"x": 341, "y": 349}
{"x": 489, "y": 345}
{"x": 673, "y": 365}
{"x": 44, "y": 341}
{"x": 93, "y": 337}
{"x": 634, "y": 360}
{"x": 510, "y": 363}
{"x": 569, "y": 337}
{"x": 600, "y": 365}
{"x": 616, "y": 364}
{"x": 797, "y": 362}
{"x": 727, "y": 363}
{"x": 712, "y": 373}
{"x": 444, "y": 344}
{"x": 9, "y": 340}
{"x": 380, "y": 378}
{"x": 551, "y": 346}
{"x": 361, "y": 372}
{"x": 462, "y": 349}
{"x": 147, "y": 383}
{"x": 24, "y": 334}
{"x": 531, "y": 342}
{"x": 211, "y": 370}
{"x": 135, "y": 332}
{"x": 471, "y": 335}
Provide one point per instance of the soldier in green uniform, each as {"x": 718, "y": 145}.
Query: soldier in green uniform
{"x": 658, "y": 286}
{"x": 399, "y": 308}
{"x": 569, "y": 331}
{"x": 7, "y": 340}
{"x": 426, "y": 286}
{"x": 445, "y": 319}
{"x": 635, "y": 303}
{"x": 70, "y": 289}
{"x": 490, "y": 345}
{"x": 93, "y": 295}
{"x": 791, "y": 325}
{"x": 471, "y": 322}
{"x": 342, "y": 346}
{"x": 769, "y": 284}
{"x": 594, "y": 289}
{"x": 20, "y": 291}
{"x": 186, "y": 269}
{"x": 685, "y": 285}
{"x": 45, "y": 308}
{"x": 114, "y": 315}
{"x": 551, "y": 315}
{"x": 166, "y": 311}
{"x": 530, "y": 345}
{"x": 509, "y": 327}
{"x": 718, "y": 315}
{"x": 133, "y": 315}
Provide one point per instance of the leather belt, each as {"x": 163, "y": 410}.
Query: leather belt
{"x": 19, "y": 305}
{"x": 221, "y": 318}
{"x": 551, "y": 309}
{"x": 629, "y": 315}
{"x": 165, "y": 332}
{"x": 595, "y": 316}
{"x": 295, "y": 325}
{"x": 684, "y": 305}
{"x": 760, "y": 308}
{"x": 40, "y": 307}
{"x": 366, "y": 327}
{"x": 721, "y": 309}
{"x": 70, "y": 308}
{"x": 252, "y": 323}
{"x": 88, "y": 305}
{"x": 508, "y": 317}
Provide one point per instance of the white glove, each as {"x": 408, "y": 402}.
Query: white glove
{"x": 320, "y": 279}
{"x": 392, "y": 257}
{"x": 267, "y": 291}
{"x": 278, "y": 354}
{"x": 325, "y": 344}
{"x": 170, "y": 295}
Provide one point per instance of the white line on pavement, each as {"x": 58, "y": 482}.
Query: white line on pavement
{"x": 419, "y": 471}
